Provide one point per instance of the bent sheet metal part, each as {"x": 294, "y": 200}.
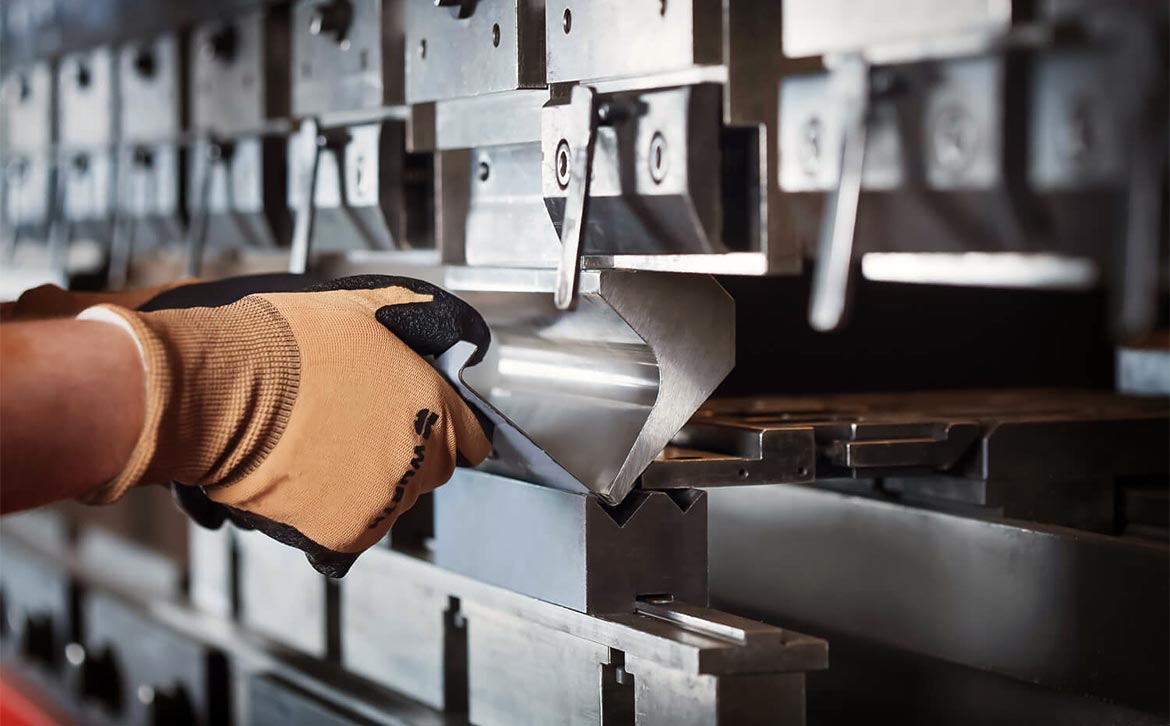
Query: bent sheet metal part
{"x": 584, "y": 400}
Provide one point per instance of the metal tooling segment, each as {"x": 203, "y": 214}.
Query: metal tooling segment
{"x": 572, "y": 550}
{"x": 724, "y": 668}
{"x": 151, "y": 673}
{"x": 281, "y": 597}
{"x": 999, "y": 595}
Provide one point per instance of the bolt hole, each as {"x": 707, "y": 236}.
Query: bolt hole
{"x": 145, "y": 63}
{"x": 802, "y": 471}
{"x": 24, "y": 89}
{"x": 658, "y": 158}
{"x": 84, "y": 77}
{"x": 563, "y": 164}
{"x": 422, "y": 48}
{"x": 496, "y": 35}
{"x": 743, "y": 473}
{"x": 484, "y": 170}
{"x": 567, "y": 21}
{"x": 662, "y": 7}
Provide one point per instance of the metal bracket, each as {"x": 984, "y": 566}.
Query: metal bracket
{"x": 309, "y": 142}
{"x": 60, "y": 230}
{"x": 197, "y": 228}
{"x": 578, "y": 155}
{"x": 125, "y": 224}
{"x": 830, "y": 285}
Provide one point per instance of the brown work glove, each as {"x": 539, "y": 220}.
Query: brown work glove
{"x": 310, "y": 416}
{"x": 50, "y": 301}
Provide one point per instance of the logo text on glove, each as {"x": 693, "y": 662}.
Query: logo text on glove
{"x": 424, "y": 422}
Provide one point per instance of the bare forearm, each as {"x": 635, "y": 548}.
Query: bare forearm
{"x": 71, "y": 407}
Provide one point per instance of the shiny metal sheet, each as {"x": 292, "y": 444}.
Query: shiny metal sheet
{"x": 601, "y": 389}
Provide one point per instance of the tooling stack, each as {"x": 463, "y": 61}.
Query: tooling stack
{"x": 682, "y": 221}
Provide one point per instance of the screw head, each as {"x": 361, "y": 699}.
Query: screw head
{"x": 1075, "y": 138}
{"x": 564, "y": 164}
{"x": 75, "y": 654}
{"x": 955, "y": 137}
{"x": 808, "y": 153}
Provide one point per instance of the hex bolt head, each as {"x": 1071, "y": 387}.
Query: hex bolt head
{"x": 564, "y": 164}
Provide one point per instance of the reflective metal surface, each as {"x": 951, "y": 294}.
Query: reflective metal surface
{"x": 638, "y": 356}
{"x": 1014, "y": 598}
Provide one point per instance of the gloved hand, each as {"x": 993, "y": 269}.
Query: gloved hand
{"x": 50, "y": 301}
{"x": 310, "y": 416}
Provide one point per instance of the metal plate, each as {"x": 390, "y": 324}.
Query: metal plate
{"x": 420, "y": 650}
{"x": 558, "y": 683}
{"x": 507, "y": 224}
{"x": 1074, "y": 137}
{"x": 1066, "y": 609}
{"x": 89, "y": 184}
{"x": 811, "y": 125}
{"x": 87, "y": 97}
{"x": 358, "y": 68}
{"x": 211, "y": 569}
{"x": 281, "y": 596}
{"x": 608, "y": 38}
{"x": 28, "y": 105}
{"x": 150, "y": 83}
{"x": 964, "y": 144}
{"x": 27, "y": 190}
{"x": 239, "y": 72}
{"x": 499, "y": 47}
{"x": 912, "y": 28}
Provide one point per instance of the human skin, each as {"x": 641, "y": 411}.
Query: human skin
{"x": 72, "y": 403}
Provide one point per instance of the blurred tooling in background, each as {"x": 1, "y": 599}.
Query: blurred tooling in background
{"x": 848, "y": 319}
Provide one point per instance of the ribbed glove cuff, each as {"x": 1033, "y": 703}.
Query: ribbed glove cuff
{"x": 220, "y": 386}
{"x": 157, "y": 375}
